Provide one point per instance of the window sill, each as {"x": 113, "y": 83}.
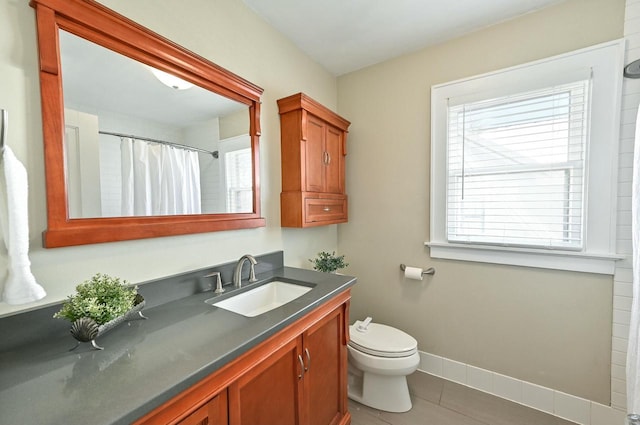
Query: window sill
{"x": 570, "y": 261}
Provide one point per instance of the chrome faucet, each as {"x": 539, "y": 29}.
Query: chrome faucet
{"x": 237, "y": 271}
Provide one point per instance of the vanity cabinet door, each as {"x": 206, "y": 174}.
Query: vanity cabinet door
{"x": 269, "y": 392}
{"x": 212, "y": 413}
{"x": 325, "y": 377}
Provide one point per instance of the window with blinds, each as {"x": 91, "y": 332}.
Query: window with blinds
{"x": 239, "y": 180}
{"x": 516, "y": 169}
{"x": 524, "y": 163}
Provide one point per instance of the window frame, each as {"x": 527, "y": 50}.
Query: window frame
{"x": 227, "y": 146}
{"x": 230, "y": 168}
{"x": 604, "y": 63}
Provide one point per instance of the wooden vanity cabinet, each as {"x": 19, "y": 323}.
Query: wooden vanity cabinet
{"x": 313, "y": 150}
{"x": 214, "y": 412}
{"x": 301, "y": 383}
{"x": 296, "y": 377}
{"x": 202, "y": 404}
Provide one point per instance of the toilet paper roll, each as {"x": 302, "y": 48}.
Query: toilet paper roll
{"x": 413, "y": 273}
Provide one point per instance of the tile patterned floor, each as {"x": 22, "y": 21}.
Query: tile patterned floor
{"x": 440, "y": 402}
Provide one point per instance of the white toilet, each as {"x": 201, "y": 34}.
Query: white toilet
{"x": 380, "y": 358}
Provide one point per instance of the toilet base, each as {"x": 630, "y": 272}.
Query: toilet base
{"x": 383, "y": 392}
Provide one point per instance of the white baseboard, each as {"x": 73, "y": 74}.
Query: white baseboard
{"x": 557, "y": 403}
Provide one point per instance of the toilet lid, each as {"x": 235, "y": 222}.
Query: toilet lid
{"x": 382, "y": 340}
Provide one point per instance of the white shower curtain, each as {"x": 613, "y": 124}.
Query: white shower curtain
{"x": 159, "y": 179}
{"x": 633, "y": 351}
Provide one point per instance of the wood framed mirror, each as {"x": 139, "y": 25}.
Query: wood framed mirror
{"x": 82, "y": 208}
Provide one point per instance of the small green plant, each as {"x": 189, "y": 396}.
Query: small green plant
{"x": 103, "y": 298}
{"x": 325, "y": 262}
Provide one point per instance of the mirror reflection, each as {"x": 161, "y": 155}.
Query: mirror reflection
{"x": 139, "y": 142}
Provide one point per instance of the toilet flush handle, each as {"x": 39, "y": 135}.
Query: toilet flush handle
{"x": 362, "y": 327}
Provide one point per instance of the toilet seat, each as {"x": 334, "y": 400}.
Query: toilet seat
{"x": 382, "y": 340}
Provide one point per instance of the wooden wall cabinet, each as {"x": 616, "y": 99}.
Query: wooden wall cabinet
{"x": 313, "y": 148}
{"x": 296, "y": 377}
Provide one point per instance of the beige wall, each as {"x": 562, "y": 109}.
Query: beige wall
{"x": 235, "y": 124}
{"x": 547, "y": 327}
{"x": 223, "y": 31}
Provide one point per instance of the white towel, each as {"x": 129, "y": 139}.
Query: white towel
{"x": 20, "y": 286}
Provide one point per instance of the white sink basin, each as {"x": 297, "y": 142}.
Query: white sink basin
{"x": 263, "y": 298}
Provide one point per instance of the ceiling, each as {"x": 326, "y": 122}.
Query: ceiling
{"x": 347, "y": 35}
{"x": 341, "y": 35}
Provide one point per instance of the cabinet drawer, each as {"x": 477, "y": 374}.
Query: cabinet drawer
{"x": 322, "y": 209}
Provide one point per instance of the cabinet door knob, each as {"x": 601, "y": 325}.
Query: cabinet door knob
{"x": 302, "y": 368}
{"x": 326, "y": 209}
{"x": 306, "y": 351}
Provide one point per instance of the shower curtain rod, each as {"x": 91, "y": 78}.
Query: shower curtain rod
{"x": 163, "y": 142}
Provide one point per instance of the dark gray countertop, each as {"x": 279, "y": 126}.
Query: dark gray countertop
{"x": 145, "y": 362}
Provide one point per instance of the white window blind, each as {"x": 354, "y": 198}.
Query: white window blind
{"x": 239, "y": 180}
{"x": 516, "y": 169}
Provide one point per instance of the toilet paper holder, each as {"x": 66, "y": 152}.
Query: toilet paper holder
{"x": 430, "y": 270}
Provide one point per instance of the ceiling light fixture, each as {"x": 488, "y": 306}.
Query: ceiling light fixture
{"x": 170, "y": 80}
